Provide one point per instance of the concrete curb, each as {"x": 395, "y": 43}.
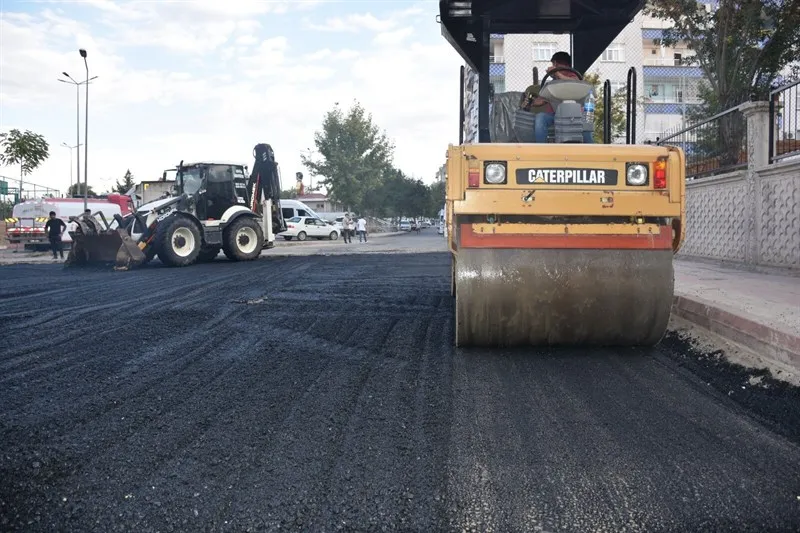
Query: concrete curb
{"x": 772, "y": 344}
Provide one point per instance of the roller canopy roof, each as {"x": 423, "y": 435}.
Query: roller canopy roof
{"x": 594, "y": 24}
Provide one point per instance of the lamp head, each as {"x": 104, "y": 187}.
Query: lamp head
{"x": 83, "y": 53}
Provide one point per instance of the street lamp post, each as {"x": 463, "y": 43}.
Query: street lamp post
{"x": 65, "y": 145}
{"x": 77, "y": 85}
{"x": 86, "y": 136}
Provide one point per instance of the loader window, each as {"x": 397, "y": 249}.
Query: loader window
{"x": 191, "y": 180}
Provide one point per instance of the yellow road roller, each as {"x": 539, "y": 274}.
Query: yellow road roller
{"x": 561, "y": 241}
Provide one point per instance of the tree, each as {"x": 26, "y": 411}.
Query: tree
{"x": 76, "y": 189}
{"x": 289, "y": 194}
{"x": 127, "y": 183}
{"x": 742, "y": 46}
{"x": 354, "y": 156}
{"x": 28, "y": 150}
{"x": 6, "y": 208}
{"x": 436, "y": 193}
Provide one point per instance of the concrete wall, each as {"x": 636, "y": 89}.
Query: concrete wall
{"x": 750, "y": 217}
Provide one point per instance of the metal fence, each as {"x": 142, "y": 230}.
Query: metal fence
{"x": 784, "y": 116}
{"x": 10, "y": 190}
{"x": 713, "y": 146}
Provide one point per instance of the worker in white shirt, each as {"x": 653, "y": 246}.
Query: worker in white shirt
{"x": 361, "y": 227}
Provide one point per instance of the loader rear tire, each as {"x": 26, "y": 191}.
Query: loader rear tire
{"x": 178, "y": 241}
{"x": 243, "y": 239}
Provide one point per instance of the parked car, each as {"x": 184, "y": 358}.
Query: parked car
{"x": 301, "y": 228}
{"x": 405, "y": 225}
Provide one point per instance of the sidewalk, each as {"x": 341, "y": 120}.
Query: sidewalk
{"x": 759, "y": 311}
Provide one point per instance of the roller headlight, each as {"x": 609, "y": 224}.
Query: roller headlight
{"x": 636, "y": 174}
{"x": 495, "y": 173}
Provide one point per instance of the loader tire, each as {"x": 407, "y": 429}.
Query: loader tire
{"x": 243, "y": 239}
{"x": 178, "y": 241}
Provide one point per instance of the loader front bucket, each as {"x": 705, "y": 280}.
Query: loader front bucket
{"x": 112, "y": 246}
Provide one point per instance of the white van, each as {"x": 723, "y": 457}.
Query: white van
{"x": 295, "y": 208}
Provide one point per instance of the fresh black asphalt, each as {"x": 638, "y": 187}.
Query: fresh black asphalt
{"x": 316, "y": 393}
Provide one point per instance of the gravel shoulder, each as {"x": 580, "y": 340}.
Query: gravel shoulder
{"x": 322, "y": 393}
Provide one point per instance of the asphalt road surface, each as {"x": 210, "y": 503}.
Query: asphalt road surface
{"x": 322, "y": 393}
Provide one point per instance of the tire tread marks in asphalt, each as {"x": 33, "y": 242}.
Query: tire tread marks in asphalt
{"x": 323, "y": 394}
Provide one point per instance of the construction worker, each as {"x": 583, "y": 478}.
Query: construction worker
{"x": 55, "y": 228}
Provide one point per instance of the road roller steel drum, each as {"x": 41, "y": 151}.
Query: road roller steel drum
{"x": 563, "y": 244}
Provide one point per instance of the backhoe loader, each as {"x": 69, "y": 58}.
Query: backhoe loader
{"x": 213, "y": 207}
{"x": 561, "y": 242}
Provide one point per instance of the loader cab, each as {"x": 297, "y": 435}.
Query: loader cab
{"x": 211, "y": 188}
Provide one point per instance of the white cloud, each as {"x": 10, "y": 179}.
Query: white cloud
{"x": 165, "y": 92}
{"x": 269, "y": 54}
{"x": 354, "y": 23}
{"x": 393, "y": 38}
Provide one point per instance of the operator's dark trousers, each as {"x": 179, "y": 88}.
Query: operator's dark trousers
{"x": 55, "y": 246}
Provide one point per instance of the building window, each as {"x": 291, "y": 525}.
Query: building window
{"x": 613, "y": 54}
{"x": 498, "y": 83}
{"x": 544, "y": 51}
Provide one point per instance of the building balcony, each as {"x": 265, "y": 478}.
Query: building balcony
{"x": 688, "y": 100}
{"x": 666, "y": 109}
{"x": 666, "y": 62}
{"x": 497, "y": 69}
{"x": 673, "y": 72}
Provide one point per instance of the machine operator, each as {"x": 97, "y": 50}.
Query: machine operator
{"x": 545, "y": 115}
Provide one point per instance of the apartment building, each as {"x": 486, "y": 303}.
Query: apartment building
{"x": 441, "y": 174}
{"x": 672, "y": 80}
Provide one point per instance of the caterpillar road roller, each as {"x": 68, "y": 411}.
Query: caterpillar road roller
{"x": 563, "y": 241}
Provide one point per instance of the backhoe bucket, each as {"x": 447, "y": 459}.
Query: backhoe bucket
{"x": 112, "y": 246}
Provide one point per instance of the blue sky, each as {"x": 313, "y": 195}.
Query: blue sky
{"x": 209, "y": 79}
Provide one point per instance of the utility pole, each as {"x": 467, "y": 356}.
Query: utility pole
{"x": 65, "y": 145}
{"x": 86, "y": 137}
{"x": 77, "y": 85}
